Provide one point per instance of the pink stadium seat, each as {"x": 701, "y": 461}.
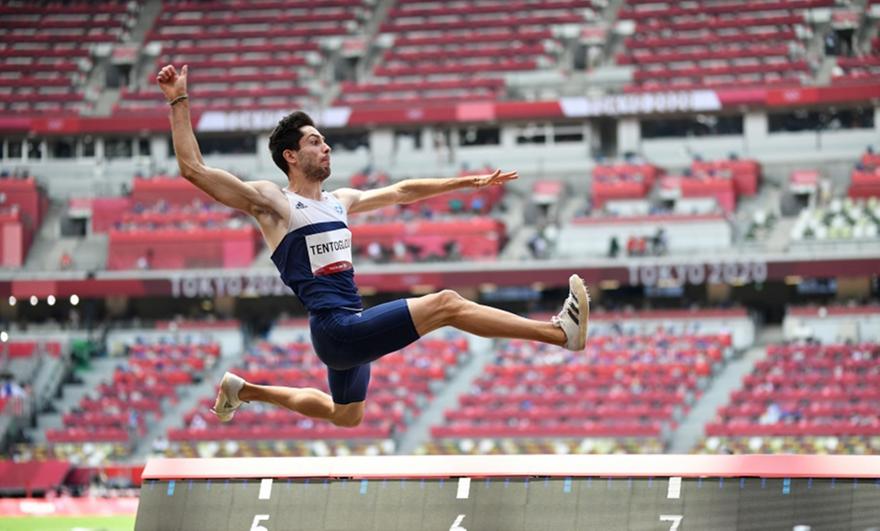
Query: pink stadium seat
{"x": 123, "y": 407}
{"x": 815, "y": 390}
{"x": 738, "y": 45}
{"x": 622, "y": 386}
{"x": 48, "y": 41}
{"x": 418, "y": 369}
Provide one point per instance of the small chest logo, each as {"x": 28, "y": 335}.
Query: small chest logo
{"x": 300, "y": 205}
{"x": 338, "y": 209}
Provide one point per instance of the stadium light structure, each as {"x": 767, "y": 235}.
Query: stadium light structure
{"x": 74, "y": 299}
{"x": 12, "y": 300}
{"x": 50, "y": 300}
{"x": 4, "y": 337}
{"x": 34, "y": 300}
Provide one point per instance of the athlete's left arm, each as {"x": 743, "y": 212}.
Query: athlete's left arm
{"x": 412, "y": 190}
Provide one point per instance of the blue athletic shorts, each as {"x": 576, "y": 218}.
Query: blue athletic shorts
{"x": 347, "y": 342}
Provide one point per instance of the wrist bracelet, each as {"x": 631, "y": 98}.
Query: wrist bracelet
{"x": 177, "y": 100}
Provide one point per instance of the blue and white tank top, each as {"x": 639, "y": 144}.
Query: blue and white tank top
{"x": 314, "y": 258}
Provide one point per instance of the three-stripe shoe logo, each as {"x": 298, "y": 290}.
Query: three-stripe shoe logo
{"x": 573, "y": 310}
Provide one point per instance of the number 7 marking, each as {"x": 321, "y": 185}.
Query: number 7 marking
{"x": 455, "y": 526}
{"x": 674, "y": 518}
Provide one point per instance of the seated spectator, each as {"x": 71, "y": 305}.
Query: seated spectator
{"x": 374, "y": 252}
{"x": 453, "y": 250}
{"x": 11, "y": 389}
{"x": 198, "y": 423}
{"x": 477, "y": 204}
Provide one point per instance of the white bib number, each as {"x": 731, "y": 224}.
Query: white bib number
{"x": 329, "y": 252}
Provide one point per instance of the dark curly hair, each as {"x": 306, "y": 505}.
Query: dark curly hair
{"x": 287, "y": 135}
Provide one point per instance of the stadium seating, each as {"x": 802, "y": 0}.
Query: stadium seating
{"x": 622, "y": 386}
{"x": 457, "y": 53}
{"x": 622, "y": 181}
{"x": 804, "y": 391}
{"x": 777, "y": 444}
{"x": 26, "y": 349}
{"x": 621, "y": 207}
{"x": 167, "y": 223}
{"x": 526, "y": 445}
{"x": 263, "y": 57}
{"x": 865, "y": 177}
{"x": 716, "y": 45}
{"x": 451, "y": 226}
{"x": 120, "y": 409}
{"x": 841, "y": 220}
{"x": 858, "y": 69}
{"x": 46, "y": 52}
{"x": 592, "y": 235}
{"x": 23, "y": 205}
{"x": 280, "y": 448}
{"x": 723, "y": 180}
{"x": 400, "y": 385}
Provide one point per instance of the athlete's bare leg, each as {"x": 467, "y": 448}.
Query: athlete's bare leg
{"x": 448, "y": 308}
{"x": 306, "y": 401}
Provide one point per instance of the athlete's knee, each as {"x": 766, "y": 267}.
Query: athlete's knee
{"x": 348, "y": 419}
{"x": 449, "y": 302}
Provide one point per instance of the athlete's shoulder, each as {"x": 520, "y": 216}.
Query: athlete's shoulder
{"x": 345, "y": 196}
{"x": 268, "y": 188}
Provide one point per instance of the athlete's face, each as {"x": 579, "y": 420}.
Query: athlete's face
{"x": 313, "y": 155}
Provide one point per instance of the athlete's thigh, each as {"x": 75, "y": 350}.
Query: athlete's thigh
{"x": 380, "y": 330}
{"x": 344, "y": 340}
{"x": 426, "y": 313}
{"x": 348, "y": 386}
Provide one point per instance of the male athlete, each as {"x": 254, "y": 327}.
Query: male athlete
{"x": 307, "y": 228}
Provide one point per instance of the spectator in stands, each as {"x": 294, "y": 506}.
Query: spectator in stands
{"x": 160, "y": 445}
{"x": 538, "y": 245}
{"x": 66, "y": 261}
{"x": 11, "y": 389}
{"x": 452, "y": 250}
{"x": 399, "y": 249}
{"x": 198, "y": 423}
{"x": 374, "y": 252}
{"x": 308, "y": 229}
{"x": 659, "y": 244}
{"x": 632, "y": 246}
{"x": 456, "y": 205}
{"x": 477, "y": 204}
{"x": 613, "y": 247}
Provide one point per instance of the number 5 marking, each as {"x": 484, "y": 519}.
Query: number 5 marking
{"x": 674, "y": 518}
{"x": 455, "y": 526}
{"x": 255, "y": 525}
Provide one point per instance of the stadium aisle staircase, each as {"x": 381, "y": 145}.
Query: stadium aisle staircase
{"x": 691, "y": 428}
{"x": 71, "y": 394}
{"x": 419, "y": 432}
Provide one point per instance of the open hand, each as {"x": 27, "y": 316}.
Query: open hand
{"x": 494, "y": 179}
{"x": 172, "y": 83}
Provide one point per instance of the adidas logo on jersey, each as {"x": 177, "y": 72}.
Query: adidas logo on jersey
{"x": 300, "y": 205}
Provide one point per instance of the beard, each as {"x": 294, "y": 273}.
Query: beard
{"x": 316, "y": 173}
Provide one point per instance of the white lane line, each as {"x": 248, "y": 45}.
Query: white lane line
{"x": 674, "y": 490}
{"x": 464, "y": 488}
{"x": 265, "y": 489}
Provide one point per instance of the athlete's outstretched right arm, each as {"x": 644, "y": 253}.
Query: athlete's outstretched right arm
{"x": 253, "y": 198}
